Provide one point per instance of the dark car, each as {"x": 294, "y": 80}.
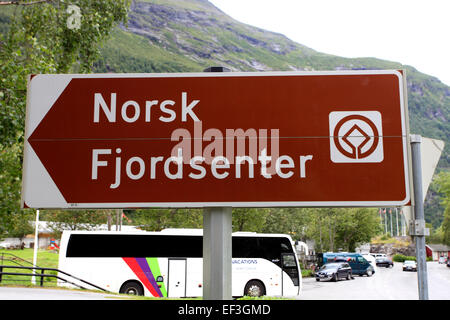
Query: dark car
{"x": 384, "y": 262}
{"x": 448, "y": 262}
{"x": 334, "y": 271}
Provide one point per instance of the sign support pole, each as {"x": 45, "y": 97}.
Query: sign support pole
{"x": 396, "y": 218}
{"x": 418, "y": 226}
{"x": 217, "y": 244}
{"x": 217, "y": 253}
{"x": 36, "y": 246}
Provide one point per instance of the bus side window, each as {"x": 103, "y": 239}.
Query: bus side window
{"x": 244, "y": 247}
{"x": 289, "y": 260}
{"x": 269, "y": 249}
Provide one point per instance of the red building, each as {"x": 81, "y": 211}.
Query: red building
{"x": 437, "y": 250}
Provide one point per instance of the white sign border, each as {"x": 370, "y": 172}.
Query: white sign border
{"x": 36, "y": 196}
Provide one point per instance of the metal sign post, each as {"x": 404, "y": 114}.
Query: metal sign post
{"x": 36, "y": 246}
{"x": 217, "y": 244}
{"x": 418, "y": 230}
{"x": 217, "y": 253}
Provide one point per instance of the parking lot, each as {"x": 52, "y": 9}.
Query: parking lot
{"x": 385, "y": 284}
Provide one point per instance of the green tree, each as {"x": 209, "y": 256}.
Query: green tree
{"x": 13, "y": 221}
{"x": 292, "y": 221}
{"x": 436, "y": 235}
{"x": 340, "y": 228}
{"x": 60, "y": 220}
{"x": 321, "y": 228}
{"x": 357, "y": 226}
{"x": 249, "y": 219}
{"x": 443, "y": 181}
{"x": 40, "y": 39}
{"x": 158, "y": 219}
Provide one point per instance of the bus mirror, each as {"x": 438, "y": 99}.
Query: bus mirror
{"x": 159, "y": 279}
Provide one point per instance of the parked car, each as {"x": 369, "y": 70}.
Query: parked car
{"x": 359, "y": 265}
{"x": 448, "y": 262}
{"x": 409, "y": 265}
{"x": 384, "y": 262}
{"x": 334, "y": 271}
{"x": 378, "y": 255}
{"x": 442, "y": 260}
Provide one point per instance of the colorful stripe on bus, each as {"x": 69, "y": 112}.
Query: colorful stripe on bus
{"x": 147, "y": 270}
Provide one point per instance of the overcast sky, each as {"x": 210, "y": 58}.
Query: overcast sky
{"x": 412, "y": 32}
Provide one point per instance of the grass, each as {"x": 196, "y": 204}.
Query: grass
{"x": 390, "y": 240}
{"x": 45, "y": 259}
{"x": 185, "y": 5}
{"x": 306, "y": 273}
{"x": 127, "y": 52}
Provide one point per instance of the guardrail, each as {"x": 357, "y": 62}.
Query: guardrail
{"x": 43, "y": 275}
{"x": 6, "y": 256}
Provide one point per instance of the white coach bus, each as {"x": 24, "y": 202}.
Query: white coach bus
{"x": 170, "y": 264}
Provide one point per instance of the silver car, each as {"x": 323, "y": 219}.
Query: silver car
{"x": 334, "y": 271}
{"x": 409, "y": 265}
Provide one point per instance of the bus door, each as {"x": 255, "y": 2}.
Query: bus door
{"x": 177, "y": 278}
{"x": 289, "y": 265}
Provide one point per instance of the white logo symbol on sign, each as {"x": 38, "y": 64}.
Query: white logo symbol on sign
{"x": 356, "y": 136}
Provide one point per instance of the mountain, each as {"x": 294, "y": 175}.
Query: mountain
{"x": 190, "y": 35}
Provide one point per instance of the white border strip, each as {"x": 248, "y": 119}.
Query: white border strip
{"x": 58, "y": 83}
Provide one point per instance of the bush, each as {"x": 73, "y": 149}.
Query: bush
{"x": 385, "y": 237}
{"x": 307, "y": 273}
{"x": 402, "y": 258}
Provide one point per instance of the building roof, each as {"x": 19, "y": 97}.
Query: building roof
{"x": 438, "y": 247}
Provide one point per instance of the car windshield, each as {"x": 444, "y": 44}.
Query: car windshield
{"x": 329, "y": 266}
{"x": 409, "y": 262}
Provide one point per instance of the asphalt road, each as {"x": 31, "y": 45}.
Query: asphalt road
{"x": 14, "y": 293}
{"x": 385, "y": 284}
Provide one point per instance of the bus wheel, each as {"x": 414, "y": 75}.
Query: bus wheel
{"x": 254, "y": 288}
{"x": 133, "y": 288}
